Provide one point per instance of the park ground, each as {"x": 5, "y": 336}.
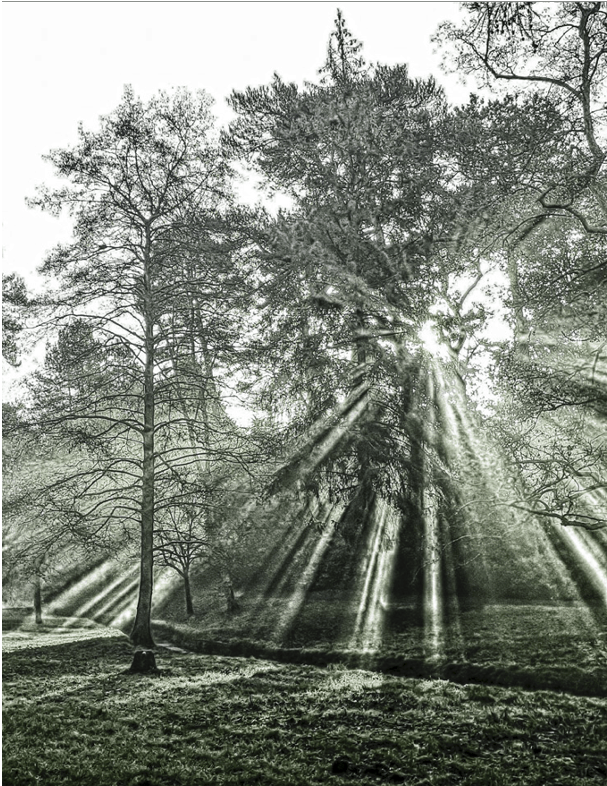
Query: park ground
{"x": 73, "y": 715}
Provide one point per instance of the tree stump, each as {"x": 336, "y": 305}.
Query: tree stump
{"x": 144, "y": 662}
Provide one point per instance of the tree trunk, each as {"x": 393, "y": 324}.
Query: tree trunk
{"x": 141, "y": 635}
{"x": 228, "y": 589}
{"x": 38, "y": 590}
{"x": 360, "y": 355}
{"x": 360, "y": 350}
{"x": 38, "y": 599}
{"x": 522, "y": 333}
{"x": 189, "y": 606}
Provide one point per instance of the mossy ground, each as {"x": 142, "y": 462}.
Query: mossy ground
{"x": 72, "y": 716}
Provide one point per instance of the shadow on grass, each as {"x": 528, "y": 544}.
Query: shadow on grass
{"x": 588, "y": 680}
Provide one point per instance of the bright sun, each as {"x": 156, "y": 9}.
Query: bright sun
{"x": 431, "y": 342}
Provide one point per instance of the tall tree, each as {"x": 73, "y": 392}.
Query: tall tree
{"x": 148, "y": 192}
{"x": 359, "y": 156}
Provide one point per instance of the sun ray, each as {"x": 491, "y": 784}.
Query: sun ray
{"x": 306, "y": 579}
{"x": 596, "y": 572}
{"x": 296, "y": 534}
{"x": 127, "y": 592}
{"x": 87, "y": 609}
{"x": 83, "y": 585}
{"x": 373, "y": 626}
{"x": 432, "y": 560}
{"x": 433, "y": 590}
{"x": 126, "y": 614}
{"x": 281, "y": 567}
{"x": 524, "y": 541}
{"x": 482, "y": 527}
{"x": 321, "y": 439}
{"x": 368, "y": 569}
{"x": 454, "y": 629}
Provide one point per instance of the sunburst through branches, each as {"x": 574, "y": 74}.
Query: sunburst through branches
{"x": 480, "y": 540}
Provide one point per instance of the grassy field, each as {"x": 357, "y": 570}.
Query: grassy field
{"x": 73, "y": 716}
{"x": 560, "y": 647}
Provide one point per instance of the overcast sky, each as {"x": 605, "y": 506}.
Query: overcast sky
{"x": 67, "y": 62}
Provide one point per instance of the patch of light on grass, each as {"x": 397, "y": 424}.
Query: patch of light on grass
{"x": 350, "y": 681}
{"x": 20, "y": 640}
{"x": 171, "y": 686}
{"x": 69, "y": 685}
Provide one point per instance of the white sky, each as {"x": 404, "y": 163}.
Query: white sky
{"x": 66, "y": 62}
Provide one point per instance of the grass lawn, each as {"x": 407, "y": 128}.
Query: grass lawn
{"x": 72, "y": 716}
{"x": 561, "y": 647}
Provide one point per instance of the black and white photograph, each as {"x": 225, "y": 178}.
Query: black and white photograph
{"x": 304, "y": 375}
